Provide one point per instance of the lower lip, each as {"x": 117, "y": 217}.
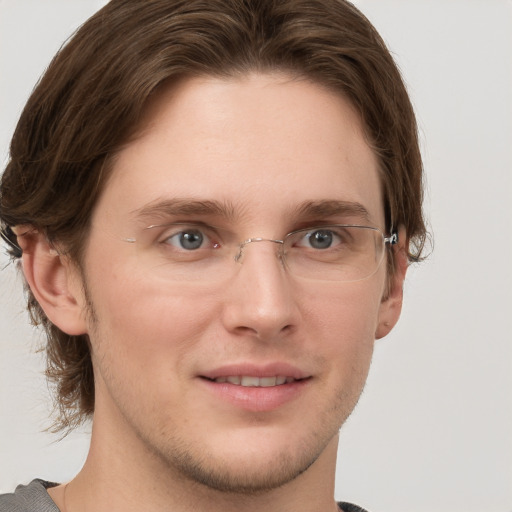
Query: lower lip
{"x": 257, "y": 399}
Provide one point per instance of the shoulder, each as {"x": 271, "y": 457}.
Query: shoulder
{"x": 29, "y": 498}
{"x": 349, "y": 507}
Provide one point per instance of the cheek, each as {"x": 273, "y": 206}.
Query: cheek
{"x": 344, "y": 325}
{"x": 347, "y": 314}
{"x": 341, "y": 328}
{"x": 145, "y": 322}
{"x": 145, "y": 338}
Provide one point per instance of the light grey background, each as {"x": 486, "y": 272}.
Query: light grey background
{"x": 433, "y": 430}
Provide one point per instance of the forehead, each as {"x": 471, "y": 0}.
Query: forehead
{"x": 264, "y": 144}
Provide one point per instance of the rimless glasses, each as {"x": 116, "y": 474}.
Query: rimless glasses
{"x": 198, "y": 252}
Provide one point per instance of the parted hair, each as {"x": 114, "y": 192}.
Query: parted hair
{"x": 93, "y": 95}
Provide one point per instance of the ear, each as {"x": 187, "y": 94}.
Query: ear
{"x": 391, "y": 305}
{"x": 54, "y": 281}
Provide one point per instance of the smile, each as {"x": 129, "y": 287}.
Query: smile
{"x": 257, "y": 388}
{"x": 253, "y": 382}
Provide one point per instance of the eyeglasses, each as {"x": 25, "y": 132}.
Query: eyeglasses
{"x": 197, "y": 252}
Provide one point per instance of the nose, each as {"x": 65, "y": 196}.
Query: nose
{"x": 259, "y": 299}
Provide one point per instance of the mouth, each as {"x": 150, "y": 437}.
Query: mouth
{"x": 257, "y": 388}
{"x": 250, "y": 381}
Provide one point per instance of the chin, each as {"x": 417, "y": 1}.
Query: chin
{"x": 255, "y": 466}
{"x": 247, "y": 477}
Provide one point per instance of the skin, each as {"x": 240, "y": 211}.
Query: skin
{"x": 162, "y": 440}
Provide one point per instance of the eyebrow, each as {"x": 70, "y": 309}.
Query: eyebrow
{"x": 187, "y": 207}
{"x": 332, "y": 208}
{"x": 226, "y": 209}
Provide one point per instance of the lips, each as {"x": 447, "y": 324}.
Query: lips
{"x": 256, "y": 388}
{"x": 250, "y": 381}
{"x": 253, "y": 375}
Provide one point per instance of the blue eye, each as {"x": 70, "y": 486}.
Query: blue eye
{"x": 321, "y": 239}
{"x": 189, "y": 240}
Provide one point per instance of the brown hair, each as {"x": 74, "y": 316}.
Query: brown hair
{"x": 95, "y": 90}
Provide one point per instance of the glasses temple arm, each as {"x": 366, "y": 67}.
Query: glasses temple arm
{"x": 392, "y": 239}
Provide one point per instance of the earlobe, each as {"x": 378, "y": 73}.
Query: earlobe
{"x": 391, "y": 305}
{"x": 53, "y": 281}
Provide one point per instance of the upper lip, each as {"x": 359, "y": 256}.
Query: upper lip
{"x": 256, "y": 370}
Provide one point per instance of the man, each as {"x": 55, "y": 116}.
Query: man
{"x": 214, "y": 204}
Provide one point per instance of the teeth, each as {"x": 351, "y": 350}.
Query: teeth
{"x": 267, "y": 381}
{"x": 250, "y": 381}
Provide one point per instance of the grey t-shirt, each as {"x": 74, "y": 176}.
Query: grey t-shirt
{"x": 29, "y": 498}
{"x": 34, "y": 498}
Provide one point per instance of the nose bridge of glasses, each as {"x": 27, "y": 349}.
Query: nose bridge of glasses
{"x": 241, "y": 247}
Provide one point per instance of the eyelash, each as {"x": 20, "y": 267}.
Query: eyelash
{"x": 210, "y": 236}
{"x": 207, "y": 232}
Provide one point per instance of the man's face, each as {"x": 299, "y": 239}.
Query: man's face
{"x": 259, "y": 148}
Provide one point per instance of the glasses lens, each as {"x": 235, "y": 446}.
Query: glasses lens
{"x": 202, "y": 254}
{"x": 334, "y": 253}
